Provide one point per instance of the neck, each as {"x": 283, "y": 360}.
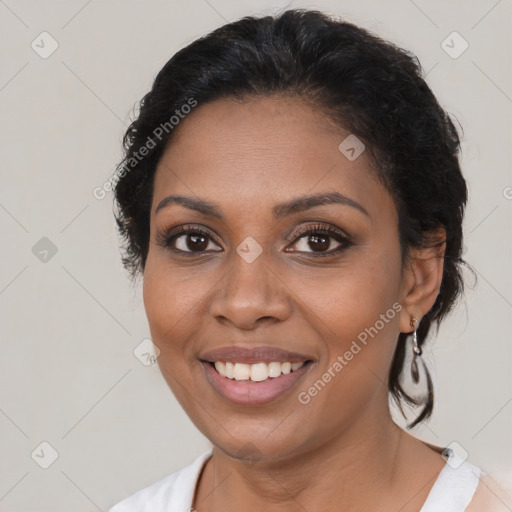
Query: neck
{"x": 358, "y": 467}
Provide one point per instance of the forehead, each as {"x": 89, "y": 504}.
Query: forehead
{"x": 262, "y": 150}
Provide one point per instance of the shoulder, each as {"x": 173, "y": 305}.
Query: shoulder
{"x": 490, "y": 496}
{"x": 455, "y": 485}
{"x": 174, "y": 492}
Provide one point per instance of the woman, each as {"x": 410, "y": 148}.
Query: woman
{"x": 291, "y": 194}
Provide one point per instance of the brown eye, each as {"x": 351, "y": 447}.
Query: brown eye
{"x": 188, "y": 240}
{"x": 192, "y": 242}
{"x": 319, "y": 242}
{"x": 321, "y": 238}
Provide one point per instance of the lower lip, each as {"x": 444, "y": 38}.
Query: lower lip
{"x": 248, "y": 392}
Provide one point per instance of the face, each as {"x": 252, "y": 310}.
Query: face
{"x": 244, "y": 273}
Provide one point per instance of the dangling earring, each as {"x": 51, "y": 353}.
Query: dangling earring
{"x": 417, "y": 353}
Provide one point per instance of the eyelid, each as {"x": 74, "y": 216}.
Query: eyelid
{"x": 190, "y": 226}
{"x": 322, "y": 227}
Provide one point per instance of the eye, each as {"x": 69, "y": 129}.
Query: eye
{"x": 319, "y": 238}
{"x": 187, "y": 239}
{"x": 193, "y": 240}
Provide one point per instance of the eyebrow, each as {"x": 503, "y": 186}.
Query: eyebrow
{"x": 279, "y": 211}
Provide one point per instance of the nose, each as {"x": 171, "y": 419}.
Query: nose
{"x": 249, "y": 295}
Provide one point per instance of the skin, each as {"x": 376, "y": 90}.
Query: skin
{"x": 341, "y": 447}
{"x": 491, "y": 496}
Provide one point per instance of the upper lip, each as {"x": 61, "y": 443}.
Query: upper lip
{"x": 252, "y": 355}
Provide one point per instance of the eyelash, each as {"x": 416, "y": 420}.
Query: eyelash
{"x": 166, "y": 238}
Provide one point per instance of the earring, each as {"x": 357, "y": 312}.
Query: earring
{"x": 417, "y": 353}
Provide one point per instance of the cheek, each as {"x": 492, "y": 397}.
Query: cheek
{"x": 356, "y": 311}
{"x": 173, "y": 300}
{"x": 348, "y": 299}
{"x": 173, "y": 309}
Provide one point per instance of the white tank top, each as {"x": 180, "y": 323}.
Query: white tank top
{"x": 452, "y": 491}
{"x": 454, "y": 487}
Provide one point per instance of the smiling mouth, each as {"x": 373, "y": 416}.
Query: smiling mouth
{"x": 257, "y": 372}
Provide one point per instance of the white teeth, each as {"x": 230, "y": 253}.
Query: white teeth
{"x": 220, "y": 367}
{"x": 256, "y": 372}
{"x": 229, "y": 370}
{"x": 259, "y": 372}
{"x": 274, "y": 369}
{"x": 242, "y": 371}
{"x": 286, "y": 368}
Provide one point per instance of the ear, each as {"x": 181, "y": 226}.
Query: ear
{"x": 422, "y": 278}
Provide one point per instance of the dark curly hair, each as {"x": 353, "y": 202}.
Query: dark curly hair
{"x": 366, "y": 85}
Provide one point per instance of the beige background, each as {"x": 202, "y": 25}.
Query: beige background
{"x": 69, "y": 325}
